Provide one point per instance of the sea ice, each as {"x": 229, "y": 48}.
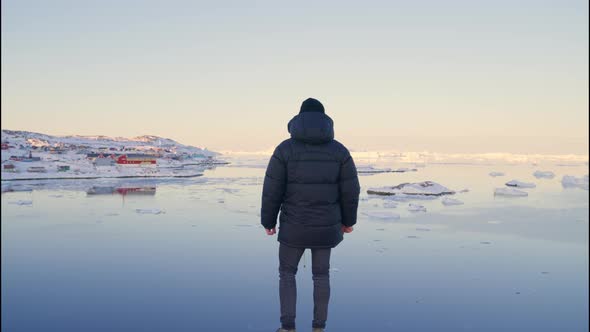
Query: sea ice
{"x": 494, "y": 174}
{"x": 451, "y": 201}
{"x": 416, "y": 208}
{"x": 385, "y": 215}
{"x": 520, "y": 184}
{"x": 426, "y": 188}
{"x": 510, "y": 192}
{"x": 570, "y": 181}
{"x": 544, "y": 174}
{"x": 150, "y": 211}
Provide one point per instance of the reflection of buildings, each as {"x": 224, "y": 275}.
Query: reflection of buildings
{"x": 136, "y": 191}
{"x": 123, "y": 191}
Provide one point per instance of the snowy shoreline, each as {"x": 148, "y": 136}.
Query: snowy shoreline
{"x": 104, "y": 177}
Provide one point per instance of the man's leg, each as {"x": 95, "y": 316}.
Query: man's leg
{"x": 288, "y": 260}
{"x": 320, "y": 267}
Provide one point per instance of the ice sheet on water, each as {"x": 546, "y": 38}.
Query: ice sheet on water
{"x": 510, "y": 192}
{"x": 150, "y": 211}
{"x": 447, "y": 201}
{"x": 544, "y": 174}
{"x": 416, "y": 208}
{"x": 520, "y": 184}
{"x": 570, "y": 181}
{"x": 383, "y": 215}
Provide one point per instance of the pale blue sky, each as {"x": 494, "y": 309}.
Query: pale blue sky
{"x": 449, "y": 76}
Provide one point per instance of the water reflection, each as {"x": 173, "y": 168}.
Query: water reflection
{"x": 191, "y": 256}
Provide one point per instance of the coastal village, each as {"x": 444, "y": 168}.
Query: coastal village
{"x": 27, "y": 155}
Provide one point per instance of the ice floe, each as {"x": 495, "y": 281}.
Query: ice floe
{"x": 389, "y": 204}
{"x": 426, "y": 188}
{"x": 570, "y": 181}
{"x": 447, "y": 201}
{"x": 512, "y": 192}
{"x": 150, "y": 211}
{"x": 544, "y": 174}
{"x": 494, "y": 174}
{"x": 385, "y": 215}
{"x": 416, "y": 208}
{"x": 520, "y": 184}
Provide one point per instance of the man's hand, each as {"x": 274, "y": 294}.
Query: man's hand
{"x": 347, "y": 229}
{"x": 272, "y": 231}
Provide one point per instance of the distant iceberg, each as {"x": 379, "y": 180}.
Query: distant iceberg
{"x": 510, "y": 192}
{"x": 544, "y": 175}
{"x": 447, "y": 201}
{"x": 570, "y": 181}
{"x": 426, "y": 188}
{"x": 520, "y": 184}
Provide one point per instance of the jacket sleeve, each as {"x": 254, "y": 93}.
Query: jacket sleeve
{"x": 273, "y": 190}
{"x": 349, "y": 188}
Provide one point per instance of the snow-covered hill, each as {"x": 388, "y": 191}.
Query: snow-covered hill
{"x": 145, "y": 143}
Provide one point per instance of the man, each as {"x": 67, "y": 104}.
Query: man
{"x": 311, "y": 178}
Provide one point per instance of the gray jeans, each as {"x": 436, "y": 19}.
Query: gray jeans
{"x": 320, "y": 264}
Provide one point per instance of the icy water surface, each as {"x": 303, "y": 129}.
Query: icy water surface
{"x": 192, "y": 257}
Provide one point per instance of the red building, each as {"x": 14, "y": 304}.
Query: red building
{"x": 136, "y": 159}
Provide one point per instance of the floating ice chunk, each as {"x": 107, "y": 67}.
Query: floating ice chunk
{"x": 381, "y": 215}
{"x": 510, "y": 192}
{"x": 334, "y": 269}
{"x": 150, "y": 211}
{"x": 389, "y": 204}
{"x": 451, "y": 201}
{"x": 494, "y": 174}
{"x": 22, "y": 202}
{"x": 464, "y": 191}
{"x": 426, "y": 188}
{"x": 416, "y": 208}
{"x": 422, "y": 229}
{"x": 520, "y": 184}
{"x": 544, "y": 175}
{"x": 570, "y": 181}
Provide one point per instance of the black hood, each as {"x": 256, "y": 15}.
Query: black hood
{"x": 312, "y": 128}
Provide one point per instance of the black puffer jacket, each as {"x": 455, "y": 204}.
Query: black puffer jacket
{"x": 311, "y": 178}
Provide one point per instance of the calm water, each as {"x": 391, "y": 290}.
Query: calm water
{"x": 73, "y": 262}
